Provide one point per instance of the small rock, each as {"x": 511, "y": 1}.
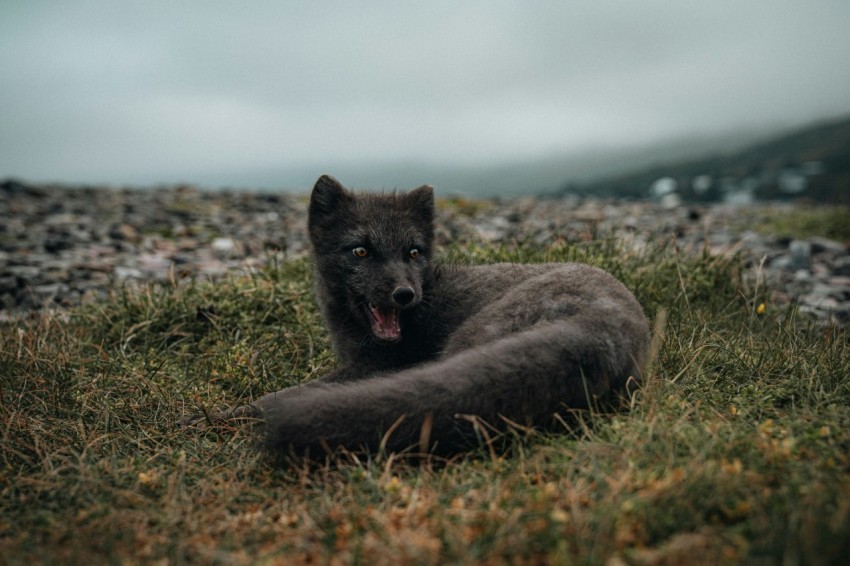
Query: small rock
{"x": 820, "y": 245}
{"x": 841, "y": 266}
{"x": 122, "y": 273}
{"x": 670, "y": 201}
{"x": 56, "y": 244}
{"x": 801, "y": 254}
{"x": 49, "y": 290}
{"x": 494, "y": 229}
{"x": 126, "y": 232}
{"x": 802, "y": 275}
{"x": 25, "y": 272}
{"x": 8, "y": 283}
{"x": 60, "y": 219}
{"x": 223, "y": 245}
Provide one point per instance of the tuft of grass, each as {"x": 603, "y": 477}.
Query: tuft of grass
{"x": 736, "y": 448}
{"x": 806, "y": 222}
{"x": 463, "y": 206}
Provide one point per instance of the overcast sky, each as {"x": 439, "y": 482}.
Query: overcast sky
{"x": 141, "y": 92}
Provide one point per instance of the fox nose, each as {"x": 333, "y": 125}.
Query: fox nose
{"x": 403, "y": 296}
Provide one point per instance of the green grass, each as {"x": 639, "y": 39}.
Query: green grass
{"x": 829, "y": 222}
{"x": 737, "y": 448}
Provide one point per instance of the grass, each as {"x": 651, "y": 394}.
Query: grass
{"x": 737, "y": 448}
{"x": 828, "y": 222}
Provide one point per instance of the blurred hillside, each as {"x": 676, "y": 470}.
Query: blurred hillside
{"x": 749, "y": 164}
{"x": 811, "y": 163}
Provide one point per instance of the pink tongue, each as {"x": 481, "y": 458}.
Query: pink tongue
{"x": 385, "y": 323}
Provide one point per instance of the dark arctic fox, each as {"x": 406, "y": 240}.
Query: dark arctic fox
{"x": 433, "y": 358}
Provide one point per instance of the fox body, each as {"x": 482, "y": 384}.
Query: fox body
{"x": 432, "y": 355}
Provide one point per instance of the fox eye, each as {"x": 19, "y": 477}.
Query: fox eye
{"x": 413, "y": 253}
{"x": 360, "y": 251}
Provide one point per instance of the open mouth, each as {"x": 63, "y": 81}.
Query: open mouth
{"x": 384, "y": 323}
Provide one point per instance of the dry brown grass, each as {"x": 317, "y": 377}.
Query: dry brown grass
{"x": 736, "y": 449}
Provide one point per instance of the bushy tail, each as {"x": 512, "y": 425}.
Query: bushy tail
{"x": 442, "y": 406}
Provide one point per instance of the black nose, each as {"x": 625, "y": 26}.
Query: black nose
{"x": 403, "y": 295}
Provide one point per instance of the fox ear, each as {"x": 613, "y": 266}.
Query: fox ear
{"x": 327, "y": 195}
{"x": 422, "y": 198}
{"x": 422, "y": 203}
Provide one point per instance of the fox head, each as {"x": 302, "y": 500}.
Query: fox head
{"x": 372, "y": 252}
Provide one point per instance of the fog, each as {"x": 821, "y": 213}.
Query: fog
{"x": 271, "y": 94}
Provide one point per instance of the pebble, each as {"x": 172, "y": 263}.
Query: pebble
{"x": 61, "y": 246}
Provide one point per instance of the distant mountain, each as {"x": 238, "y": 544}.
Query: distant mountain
{"x": 811, "y": 163}
{"x": 731, "y": 164}
{"x": 545, "y": 175}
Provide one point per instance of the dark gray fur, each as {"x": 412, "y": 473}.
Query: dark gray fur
{"x": 503, "y": 342}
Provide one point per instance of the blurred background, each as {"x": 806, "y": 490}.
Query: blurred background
{"x": 725, "y": 100}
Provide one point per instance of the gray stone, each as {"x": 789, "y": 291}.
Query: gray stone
{"x": 781, "y": 262}
{"x": 841, "y": 266}
{"x": 124, "y": 231}
{"x": 56, "y": 244}
{"x": 122, "y": 273}
{"x": 8, "y": 283}
{"x": 801, "y": 254}
{"x": 25, "y": 272}
{"x": 802, "y": 275}
{"x": 50, "y": 290}
{"x": 820, "y": 245}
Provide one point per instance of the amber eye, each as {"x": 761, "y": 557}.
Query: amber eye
{"x": 360, "y": 251}
{"x": 413, "y": 253}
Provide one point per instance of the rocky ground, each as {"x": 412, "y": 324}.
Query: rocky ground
{"x": 62, "y": 246}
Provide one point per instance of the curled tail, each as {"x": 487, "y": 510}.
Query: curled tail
{"x": 522, "y": 378}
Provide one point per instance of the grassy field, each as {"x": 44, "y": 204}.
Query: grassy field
{"x": 827, "y": 222}
{"x": 736, "y": 449}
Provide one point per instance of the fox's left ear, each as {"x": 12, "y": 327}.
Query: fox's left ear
{"x": 423, "y": 198}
